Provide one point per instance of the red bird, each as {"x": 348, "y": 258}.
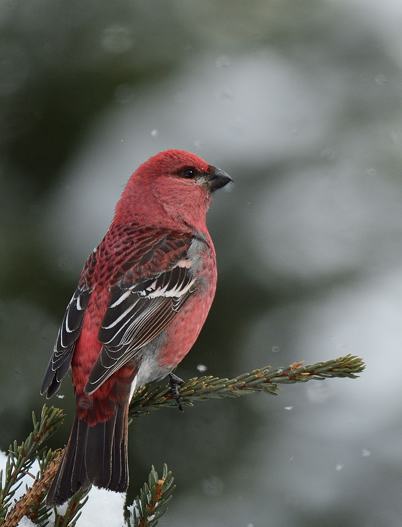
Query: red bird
{"x": 141, "y": 301}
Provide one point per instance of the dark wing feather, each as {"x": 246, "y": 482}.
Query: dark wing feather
{"x": 64, "y": 348}
{"x": 136, "y": 315}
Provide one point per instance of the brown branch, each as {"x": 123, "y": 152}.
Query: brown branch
{"x": 31, "y": 500}
{"x": 266, "y": 380}
{"x": 194, "y": 390}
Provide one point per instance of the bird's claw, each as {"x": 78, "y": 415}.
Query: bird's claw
{"x": 175, "y": 382}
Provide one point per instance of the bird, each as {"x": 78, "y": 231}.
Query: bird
{"x": 142, "y": 298}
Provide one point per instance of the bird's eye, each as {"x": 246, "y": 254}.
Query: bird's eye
{"x": 188, "y": 172}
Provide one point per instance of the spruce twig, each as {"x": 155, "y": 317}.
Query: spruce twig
{"x": 73, "y": 512}
{"x": 31, "y": 504}
{"x": 20, "y": 457}
{"x": 264, "y": 379}
{"x": 151, "y": 503}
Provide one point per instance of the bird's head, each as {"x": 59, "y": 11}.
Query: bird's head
{"x": 173, "y": 185}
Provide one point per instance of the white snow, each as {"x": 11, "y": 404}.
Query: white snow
{"x": 26, "y": 522}
{"x": 104, "y": 508}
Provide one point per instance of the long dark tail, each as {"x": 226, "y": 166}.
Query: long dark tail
{"x": 94, "y": 454}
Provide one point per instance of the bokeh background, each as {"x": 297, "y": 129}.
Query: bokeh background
{"x": 301, "y": 103}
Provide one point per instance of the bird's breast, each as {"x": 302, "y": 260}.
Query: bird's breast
{"x": 183, "y": 331}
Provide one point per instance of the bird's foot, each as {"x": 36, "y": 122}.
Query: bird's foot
{"x": 175, "y": 382}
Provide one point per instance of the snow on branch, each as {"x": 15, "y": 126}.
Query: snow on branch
{"x": 151, "y": 503}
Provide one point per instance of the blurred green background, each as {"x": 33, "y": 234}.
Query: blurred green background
{"x": 301, "y": 103}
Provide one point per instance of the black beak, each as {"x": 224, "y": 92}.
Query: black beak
{"x": 217, "y": 178}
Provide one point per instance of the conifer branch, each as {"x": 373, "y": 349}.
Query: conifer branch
{"x": 20, "y": 457}
{"x": 264, "y": 379}
{"x": 151, "y": 503}
{"x": 32, "y": 503}
{"x": 74, "y": 508}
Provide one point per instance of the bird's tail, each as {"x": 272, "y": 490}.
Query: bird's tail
{"x": 94, "y": 455}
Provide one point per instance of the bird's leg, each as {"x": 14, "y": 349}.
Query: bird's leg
{"x": 175, "y": 383}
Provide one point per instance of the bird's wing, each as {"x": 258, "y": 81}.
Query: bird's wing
{"x": 64, "y": 348}
{"x": 143, "y": 302}
{"x": 69, "y": 332}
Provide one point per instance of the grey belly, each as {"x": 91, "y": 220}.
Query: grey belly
{"x": 149, "y": 369}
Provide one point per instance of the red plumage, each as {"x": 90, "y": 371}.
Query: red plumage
{"x": 142, "y": 299}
